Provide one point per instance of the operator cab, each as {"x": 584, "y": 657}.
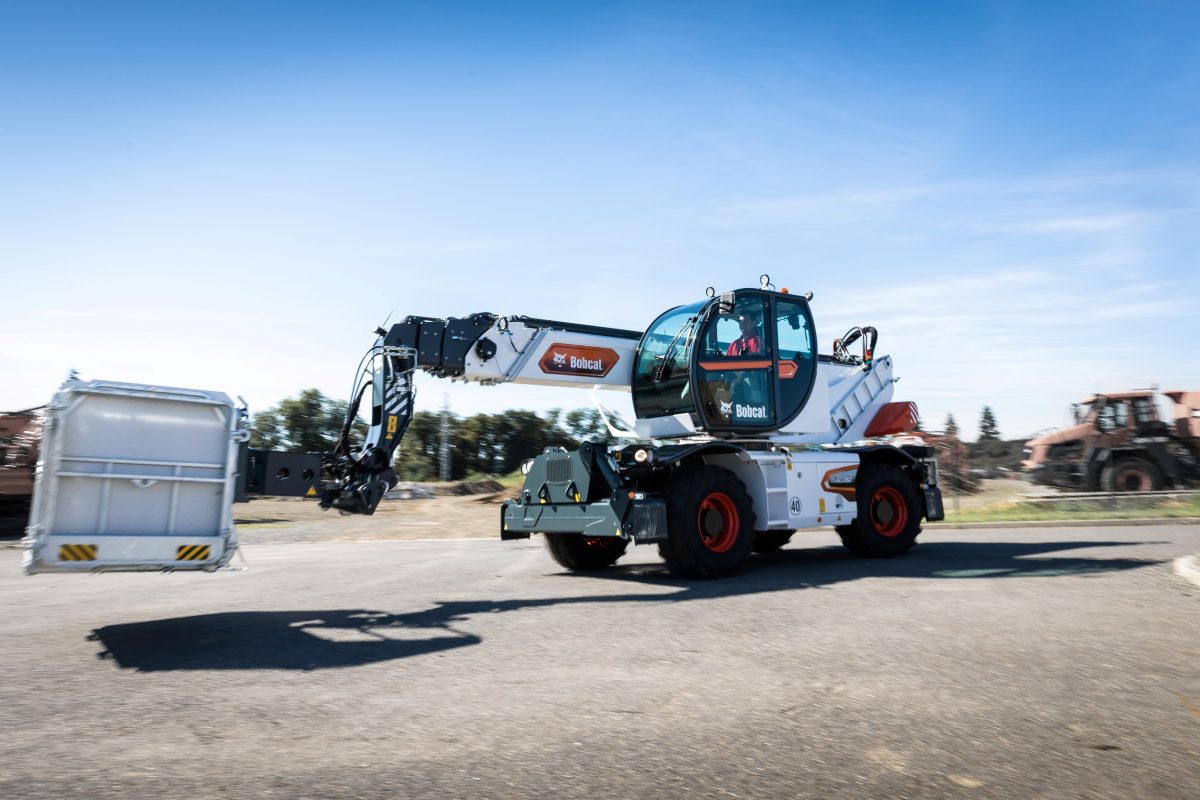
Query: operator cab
{"x": 743, "y": 362}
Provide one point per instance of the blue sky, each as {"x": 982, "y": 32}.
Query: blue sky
{"x": 232, "y": 196}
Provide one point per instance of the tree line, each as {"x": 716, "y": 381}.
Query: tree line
{"x": 491, "y": 444}
{"x": 496, "y": 444}
{"x": 481, "y": 444}
{"x": 989, "y": 431}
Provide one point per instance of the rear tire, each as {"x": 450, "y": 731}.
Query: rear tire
{"x": 1131, "y": 474}
{"x": 581, "y": 553}
{"x": 770, "y": 541}
{"x": 710, "y": 523}
{"x": 889, "y": 514}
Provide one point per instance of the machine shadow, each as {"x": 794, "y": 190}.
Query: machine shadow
{"x": 323, "y": 639}
{"x": 291, "y": 640}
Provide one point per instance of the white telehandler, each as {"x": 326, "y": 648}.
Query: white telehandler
{"x": 743, "y": 432}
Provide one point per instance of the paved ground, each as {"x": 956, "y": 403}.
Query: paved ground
{"x": 1023, "y": 663}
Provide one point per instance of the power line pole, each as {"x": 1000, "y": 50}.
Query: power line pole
{"x": 444, "y": 445}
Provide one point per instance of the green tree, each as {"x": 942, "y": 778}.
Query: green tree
{"x": 309, "y": 422}
{"x": 518, "y": 435}
{"x": 266, "y": 431}
{"x": 988, "y": 431}
{"x": 951, "y": 426}
{"x": 586, "y": 425}
{"x": 417, "y": 457}
{"x": 491, "y": 444}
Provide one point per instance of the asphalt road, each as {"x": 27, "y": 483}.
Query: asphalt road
{"x": 1023, "y": 663}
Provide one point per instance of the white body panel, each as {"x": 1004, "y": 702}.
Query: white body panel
{"x": 814, "y": 417}
{"x": 851, "y": 398}
{"x": 788, "y": 489}
{"x": 134, "y": 477}
{"x": 521, "y": 351}
{"x": 671, "y": 427}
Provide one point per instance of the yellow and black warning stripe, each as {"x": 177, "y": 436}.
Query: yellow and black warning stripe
{"x": 77, "y": 552}
{"x": 192, "y": 552}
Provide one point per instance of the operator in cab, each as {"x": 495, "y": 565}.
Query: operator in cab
{"x": 751, "y": 340}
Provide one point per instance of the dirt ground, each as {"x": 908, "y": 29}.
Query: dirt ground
{"x": 286, "y": 519}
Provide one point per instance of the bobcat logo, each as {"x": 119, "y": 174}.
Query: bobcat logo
{"x": 726, "y": 408}
{"x": 578, "y": 359}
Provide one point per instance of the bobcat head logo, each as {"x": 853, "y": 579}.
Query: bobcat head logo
{"x": 726, "y": 408}
{"x": 560, "y": 360}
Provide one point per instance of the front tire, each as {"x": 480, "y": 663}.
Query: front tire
{"x": 710, "y": 524}
{"x": 582, "y": 553}
{"x": 1131, "y": 475}
{"x": 889, "y": 514}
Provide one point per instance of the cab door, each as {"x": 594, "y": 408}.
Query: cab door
{"x": 795, "y": 355}
{"x": 736, "y": 366}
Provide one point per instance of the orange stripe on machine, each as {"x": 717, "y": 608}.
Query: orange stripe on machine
{"x": 841, "y": 481}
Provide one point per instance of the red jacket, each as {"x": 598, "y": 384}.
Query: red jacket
{"x": 745, "y": 344}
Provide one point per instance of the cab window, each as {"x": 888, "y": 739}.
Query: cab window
{"x": 1114, "y": 415}
{"x": 735, "y": 376}
{"x": 792, "y": 336}
{"x": 1143, "y": 410}
{"x": 660, "y": 377}
{"x": 739, "y": 334}
{"x": 795, "y": 343}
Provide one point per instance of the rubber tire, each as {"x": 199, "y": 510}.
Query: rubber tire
{"x": 863, "y": 537}
{"x": 581, "y": 554}
{"x": 686, "y": 552}
{"x": 1112, "y": 477}
{"x": 770, "y": 541}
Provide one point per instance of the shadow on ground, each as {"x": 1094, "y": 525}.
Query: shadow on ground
{"x": 322, "y": 639}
